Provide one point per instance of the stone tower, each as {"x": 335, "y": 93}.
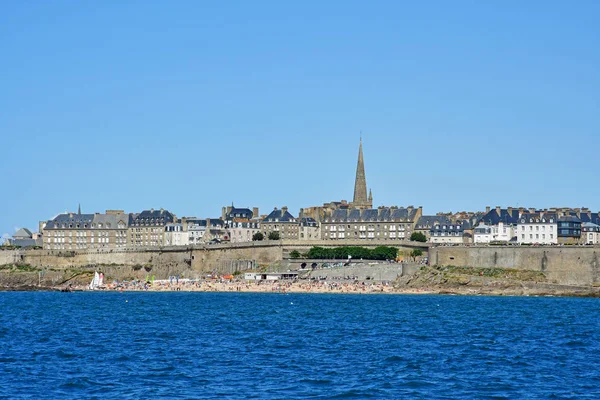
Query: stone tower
{"x": 360, "y": 185}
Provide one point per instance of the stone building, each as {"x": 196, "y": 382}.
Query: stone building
{"x": 280, "y": 221}
{"x": 24, "y": 238}
{"x": 77, "y": 231}
{"x": 590, "y": 233}
{"x": 243, "y": 231}
{"x": 452, "y": 233}
{"x": 309, "y": 229}
{"x": 147, "y": 229}
{"x": 426, "y": 222}
{"x": 383, "y": 223}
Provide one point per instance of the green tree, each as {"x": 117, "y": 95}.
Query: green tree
{"x": 258, "y": 236}
{"x": 294, "y": 254}
{"x": 274, "y": 235}
{"x": 416, "y": 253}
{"x": 418, "y": 237}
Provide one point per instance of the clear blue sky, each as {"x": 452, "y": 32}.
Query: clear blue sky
{"x": 190, "y": 105}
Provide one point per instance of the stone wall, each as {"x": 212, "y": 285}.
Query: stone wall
{"x": 571, "y": 265}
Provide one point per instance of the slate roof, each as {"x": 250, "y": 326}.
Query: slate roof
{"x": 592, "y": 217}
{"x": 111, "y": 220}
{"x": 63, "y": 221}
{"x": 492, "y": 218}
{"x": 428, "y": 221}
{"x": 538, "y": 218}
{"x": 23, "y": 233}
{"x": 280, "y": 216}
{"x": 382, "y": 214}
{"x": 154, "y": 217}
{"x": 240, "y": 213}
{"x": 307, "y": 221}
{"x": 440, "y": 228}
{"x": 590, "y": 227}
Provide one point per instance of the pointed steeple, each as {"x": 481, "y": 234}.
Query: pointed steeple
{"x": 360, "y": 184}
{"x": 79, "y": 209}
{"x": 370, "y": 197}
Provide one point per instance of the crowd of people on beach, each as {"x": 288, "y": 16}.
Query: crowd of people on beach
{"x": 218, "y": 284}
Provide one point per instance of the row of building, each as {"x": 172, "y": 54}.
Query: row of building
{"x": 116, "y": 229}
{"x": 336, "y": 221}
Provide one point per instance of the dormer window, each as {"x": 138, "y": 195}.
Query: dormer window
{"x": 551, "y": 220}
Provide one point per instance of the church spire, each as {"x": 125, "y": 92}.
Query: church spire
{"x": 360, "y": 185}
{"x": 79, "y": 209}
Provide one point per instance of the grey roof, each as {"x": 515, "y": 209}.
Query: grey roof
{"x": 428, "y": 221}
{"x": 111, "y": 220}
{"x": 492, "y": 218}
{"x": 382, "y": 214}
{"x": 242, "y": 212}
{"x": 23, "y": 233}
{"x": 154, "y": 217}
{"x": 307, "y": 221}
{"x": 280, "y": 216}
{"x": 65, "y": 221}
{"x": 537, "y": 218}
{"x": 447, "y": 228}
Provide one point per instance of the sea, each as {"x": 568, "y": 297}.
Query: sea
{"x": 93, "y": 345}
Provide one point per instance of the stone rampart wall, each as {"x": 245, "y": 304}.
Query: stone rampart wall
{"x": 571, "y": 265}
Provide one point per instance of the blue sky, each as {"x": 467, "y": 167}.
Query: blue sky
{"x": 190, "y": 105}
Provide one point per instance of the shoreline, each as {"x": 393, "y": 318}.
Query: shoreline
{"x": 321, "y": 287}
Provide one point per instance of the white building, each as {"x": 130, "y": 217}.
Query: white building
{"x": 175, "y": 235}
{"x": 447, "y": 233}
{"x": 537, "y": 228}
{"x": 494, "y": 233}
{"x": 590, "y": 233}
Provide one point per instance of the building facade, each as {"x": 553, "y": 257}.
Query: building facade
{"x": 281, "y": 221}
{"x": 76, "y": 231}
{"x": 383, "y": 223}
{"x": 309, "y": 229}
{"x": 537, "y": 228}
{"x": 176, "y": 235}
{"x": 447, "y": 233}
{"x": 147, "y": 229}
{"x": 590, "y": 233}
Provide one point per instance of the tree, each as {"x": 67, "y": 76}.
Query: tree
{"x": 258, "y": 236}
{"x": 418, "y": 237}
{"x": 416, "y": 253}
{"x": 294, "y": 254}
{"x": 274, "y": 235}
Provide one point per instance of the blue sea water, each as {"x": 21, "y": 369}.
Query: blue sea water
{"x": 239, "y": 345}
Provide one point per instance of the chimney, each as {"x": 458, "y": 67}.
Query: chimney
{"x": 498, "y": 210}
{"x": 284, "y": 210}
{"x": 224, "y": 213}
{"x": 255, "y": 212}
{"x": 487, "y": 209}
{"x": 509, "y": 210}
{"x": 410, "y": 209}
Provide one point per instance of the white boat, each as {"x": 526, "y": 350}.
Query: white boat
{"x": 96, "y": 282}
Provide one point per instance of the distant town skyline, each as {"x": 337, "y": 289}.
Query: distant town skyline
{"x": 461, "y": 106}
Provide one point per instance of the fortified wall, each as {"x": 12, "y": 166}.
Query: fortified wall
{"x": 190, "y": 261}
{"x": 569, "y": 265}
